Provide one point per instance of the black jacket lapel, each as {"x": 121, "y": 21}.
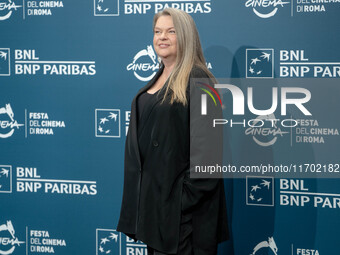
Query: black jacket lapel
{"x": 133, "y": 120}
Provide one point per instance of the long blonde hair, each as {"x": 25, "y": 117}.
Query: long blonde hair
{"x": 189, "y": 54}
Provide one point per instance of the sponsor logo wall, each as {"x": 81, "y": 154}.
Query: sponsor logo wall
{"x": 69, "y": 71}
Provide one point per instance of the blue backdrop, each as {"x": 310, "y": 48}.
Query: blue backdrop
{"x": 68, "y": 73}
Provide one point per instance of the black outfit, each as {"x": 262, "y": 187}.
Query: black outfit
{"x": 158, "y": 190}
{"x": 145, "y": 99}
{"x": 185, "y": 238}
{"x": 144, "y": 105}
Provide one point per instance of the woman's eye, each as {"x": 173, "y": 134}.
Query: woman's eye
{"x": 157, "y": 32}
{"x": 172, "y": 32}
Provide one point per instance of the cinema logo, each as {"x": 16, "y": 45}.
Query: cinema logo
{"x": 37, "y": 241}
{"x": 265, "y": 8}
{"x": 265, "y": 130}
{"x": 8, "y": 240}
{"x": 267, "y": 246}
{"x": 8, "y": 124}
{"x": 31, "y": 8}
{"x": 144, "y": 65}
{"x": 37, "y": 123}
{"x": 7, "y": 8}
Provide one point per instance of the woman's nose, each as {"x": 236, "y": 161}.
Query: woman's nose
{"x": 163, "y": 35}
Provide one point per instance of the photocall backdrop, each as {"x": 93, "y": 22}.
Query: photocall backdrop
{"x": 68, "y": 73}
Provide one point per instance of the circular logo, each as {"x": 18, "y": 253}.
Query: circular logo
{"x": 264, "y": 130}
{"x": 264, "y": 6}
{"x": 8, "y": 241}
{"x": 6, "y": 9}
{"x": 143, "y": 64}
{"x": 7, "y": 122}
{"x": 266, "y": 244}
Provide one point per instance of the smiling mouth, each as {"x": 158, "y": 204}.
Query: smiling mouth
{"x": 163, "y": 45}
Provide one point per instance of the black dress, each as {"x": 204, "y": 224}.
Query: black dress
{"x": 144, "y": 106}
{"x": 158, "y": 191}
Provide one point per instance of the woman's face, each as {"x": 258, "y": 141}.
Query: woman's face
{"x": 165, "y": 40}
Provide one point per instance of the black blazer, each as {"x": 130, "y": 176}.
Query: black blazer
{"x": 157, "y": 192}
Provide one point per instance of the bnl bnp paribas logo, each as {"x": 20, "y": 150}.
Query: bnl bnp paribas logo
{"x": 141, "y": 7}
{"x": 5, "y": 62}
{"x": 106, "y": 7}
{"x": 266, "y": 8}
{"x": 108, "y": 241}
{"x": 8, "y": 8}
{"x": 8, "y": 239}
{"x": 5, "y": 179}
{"x": 260, "y": 190}
{"x": 107, "y": 123}
{"x": 259, "y": 63}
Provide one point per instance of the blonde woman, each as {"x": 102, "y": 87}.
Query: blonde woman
{"x": 162, "y": 206}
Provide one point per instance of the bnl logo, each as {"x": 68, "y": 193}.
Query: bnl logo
{"x": 260, "y": 190}
{"x": 5, "y": 179}
{"x": 259, "y": 63}
{"x": 5, "y": 62}
{"x": 108, "y": 241}
{"x": 106, "y": 7}
{"x": 107, "y": 123}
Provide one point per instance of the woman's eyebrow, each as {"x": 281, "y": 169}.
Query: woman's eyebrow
{"x": 165, "y": 29}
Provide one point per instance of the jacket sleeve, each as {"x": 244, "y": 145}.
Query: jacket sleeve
{"x": 206, "y": 144}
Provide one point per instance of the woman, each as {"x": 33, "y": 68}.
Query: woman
{"x": 162, "y": 206}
